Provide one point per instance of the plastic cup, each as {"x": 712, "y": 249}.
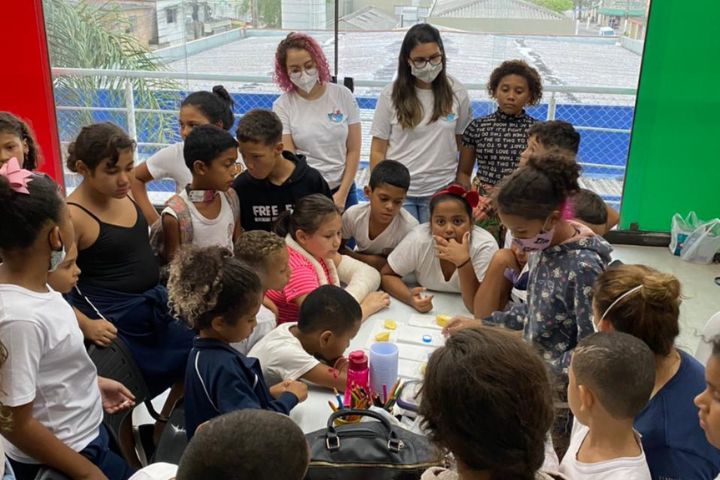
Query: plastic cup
{"x": 383, "y": 367}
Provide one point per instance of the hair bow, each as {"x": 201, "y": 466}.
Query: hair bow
{"x": 472, "y": 197}
{"x": 17, "y": 177}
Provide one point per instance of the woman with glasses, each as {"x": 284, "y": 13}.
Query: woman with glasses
{"x": 420, "y": 117}
{"x": 321, "y": 119}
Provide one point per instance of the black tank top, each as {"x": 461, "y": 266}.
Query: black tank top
{"x": 121, "y": 258}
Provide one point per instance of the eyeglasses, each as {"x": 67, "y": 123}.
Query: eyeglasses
{"x": 420, "y": 62}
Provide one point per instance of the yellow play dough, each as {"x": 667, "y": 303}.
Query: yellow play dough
{"x": 442, "y": 320}
{"x": 390, "y": 324}
{"x": 383, "y": 336}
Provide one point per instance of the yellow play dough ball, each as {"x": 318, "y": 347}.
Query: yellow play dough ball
{"x": 390, "y": 324}
{"x": 382, "y": 336}
{"x": 442, "y": 320}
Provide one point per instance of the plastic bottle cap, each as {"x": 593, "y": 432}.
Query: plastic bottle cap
{"x": 427, "y": 339}
{"x": 357, "y": 360}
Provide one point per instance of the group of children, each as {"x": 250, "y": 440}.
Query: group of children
{"x": 261, "y": 273}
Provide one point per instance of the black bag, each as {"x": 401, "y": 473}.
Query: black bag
{"x": 368, "y": 450}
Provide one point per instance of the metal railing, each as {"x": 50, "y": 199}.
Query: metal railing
{"x": 477, "y": 92}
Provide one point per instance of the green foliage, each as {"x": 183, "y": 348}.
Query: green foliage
{"x": 84, "y": 35}
{"x": 555, "y": 5}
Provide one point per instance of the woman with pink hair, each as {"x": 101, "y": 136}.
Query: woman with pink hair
{"x": 321, "y": 119}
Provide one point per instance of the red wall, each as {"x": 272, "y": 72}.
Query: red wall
{"x": 25, "y": 82}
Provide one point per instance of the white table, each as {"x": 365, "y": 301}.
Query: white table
{"x": 312, "y": 414}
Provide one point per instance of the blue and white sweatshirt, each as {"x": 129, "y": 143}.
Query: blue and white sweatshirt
{"x": 219, "y": 379}
{"x": 558, "y": 312}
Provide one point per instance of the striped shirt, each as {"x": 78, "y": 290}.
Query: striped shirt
{"x": 303, "y": 280}
{"x": 498, "y": 140}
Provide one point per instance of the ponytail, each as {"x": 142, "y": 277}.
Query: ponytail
{"x": 309, "y": 214}
{"x": 542, "y": 186}
{"x": 216, "y": 106}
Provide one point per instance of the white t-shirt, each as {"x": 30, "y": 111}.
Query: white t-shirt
{"x": 266, "y": 322}
{"x": 282, "y": 356}
{"x": 209, "y": 232}
{"x": 416, "y": 253}
{"x": 429, "y": 150}
{"x": 156, "y": 471}
{"x": 169, "y": 162}
{"x": 319, "y": 127}
{"x": 356, "y": 224}
{"x": 47, "y": 364}
{"x": 625, "y": 468}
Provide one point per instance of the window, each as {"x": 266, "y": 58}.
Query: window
{"x": 171, "y": 15}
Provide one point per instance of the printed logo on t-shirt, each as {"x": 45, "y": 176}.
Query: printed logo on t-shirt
{"x": 268, "y": 213}
{"x": 336, "y": 116}
{"x": 451, "y": 117}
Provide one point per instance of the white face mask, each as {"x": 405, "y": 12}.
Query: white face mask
{"x": 305, "y": 80}
{"x": 428, "y": 73}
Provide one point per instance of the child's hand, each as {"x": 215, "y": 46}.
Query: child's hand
{"x": 457, "y": 253}
{"x": 374, "y": 302}
{"x": 100, "y": 332}
{"x": 421, "y": 301}
{"x": 459, "y": 323}
{"x": 115, "y": 396}
{"x": 299, "y": 389}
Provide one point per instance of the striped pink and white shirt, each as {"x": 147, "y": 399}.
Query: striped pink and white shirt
{"x": 303, "y": 280}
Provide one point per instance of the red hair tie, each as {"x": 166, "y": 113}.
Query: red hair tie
{"x": 472, "y": 197}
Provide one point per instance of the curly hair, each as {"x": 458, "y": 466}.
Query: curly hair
{"x": 540, "y": 187}
{"x": 476, "y": 398}
{"x": 208, "y": 282}
{"x": 300, "y": 41}
{"x": 11, "y": 124}
{"x": 97, "y": 142}
{"x": 259, "y": 126}
{"x": 522, "y": 69}
{"x": 254, "y": 247}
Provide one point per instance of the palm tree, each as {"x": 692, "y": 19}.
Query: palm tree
{"x": 81, "y": 34}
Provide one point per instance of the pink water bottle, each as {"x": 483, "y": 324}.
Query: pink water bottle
{"x": 358, "y": 374}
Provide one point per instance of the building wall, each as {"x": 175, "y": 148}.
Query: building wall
{"x": 304, "y": 14}
{"x": 169, "y": 33}
{"x": 501, "y": 25}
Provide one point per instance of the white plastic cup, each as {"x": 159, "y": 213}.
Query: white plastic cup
{"x": 383, "y": 367}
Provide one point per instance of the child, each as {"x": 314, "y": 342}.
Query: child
{"x": 312, "y": 236}
{"x": 49, "y": 383}
{"x": 119, "y": 283}
{"x": 198, "y": 108}
{"x": 553, "y": 134}
{"x": 509, "y": 270}
{"x": 611, "y": 378}
{"x": 218, "y": 297}
{"x": 486, "y": 398}
{"x": 16, "y": 140}
{"x": 494, "y": 142}
{"x": 211, "y": 155}
{"x": 531, "y": 202}
{"x": 275, "y": 178}
{"x": 249, "y": 444}
{"x": 643, "y": 302}
{"x": 707, "y": 400}
{"x": 379, "y": 225}
{"x": 265, "y": 253}
{"x": 449, "y": 254}
{"x": 329, "y": 318}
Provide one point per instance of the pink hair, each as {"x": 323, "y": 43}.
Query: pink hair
{"x": 300, "y": 41}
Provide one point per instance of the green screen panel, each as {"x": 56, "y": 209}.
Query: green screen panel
{"x": 674, "y": 159}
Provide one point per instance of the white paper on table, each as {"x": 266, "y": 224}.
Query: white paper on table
{"x": 415, "y": 353}
{"x": 415, "y": 336}
{"x": 411, "y": 369}
{"x": 423, "y": 321}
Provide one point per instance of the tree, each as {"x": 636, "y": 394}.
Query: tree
{"x": 84, "y": 35}
{"x": 555, "y": 5}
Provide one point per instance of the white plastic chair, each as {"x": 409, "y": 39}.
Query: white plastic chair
{"x": 710, "y": 330}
